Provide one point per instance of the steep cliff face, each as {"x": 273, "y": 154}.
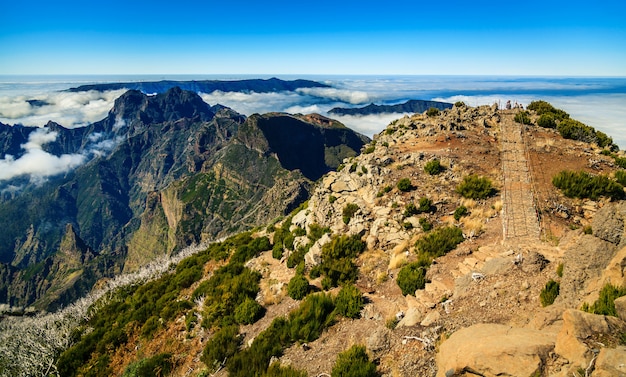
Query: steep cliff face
{"x": 158, "y": 173}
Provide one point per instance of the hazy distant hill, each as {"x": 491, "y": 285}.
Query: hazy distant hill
{"x": 176, "y": 171}
{"x": 411, "y": 106}
{"x": 207, "y": 86}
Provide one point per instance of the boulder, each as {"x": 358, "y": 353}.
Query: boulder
{"x": 431, "y": 318}
{"x": 378, "y": 342}
{"x": 579, "y": 326}
{"x": 620, "y": 307}
{"x": 608, "y": 223}
{"x": 494, "y": 350}
{"x": 314, "y": 256}
{"x": 412, "y": 317}
{"x": 611, "y": 362}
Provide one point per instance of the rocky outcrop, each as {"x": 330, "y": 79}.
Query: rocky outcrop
{"x": 494, "y": 350}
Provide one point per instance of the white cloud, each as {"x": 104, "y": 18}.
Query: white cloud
{"x": 368, "y": 124}
{"x": 36, "y": 162}
{"x": 250, "y": 103}
{"x": 71, "y": 110}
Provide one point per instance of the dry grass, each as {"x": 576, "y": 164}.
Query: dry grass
{"x": 397, "y": 260}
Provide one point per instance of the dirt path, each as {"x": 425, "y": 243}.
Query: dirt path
{"x": 520, "y": 216}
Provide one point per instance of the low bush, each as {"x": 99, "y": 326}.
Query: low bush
{"x": 583, "y": 185}
{"x": 410, "y": 210}
{"x": 459, "y": 212}
{"x": 277, "y": 370}
{"x": 157, "y": 365}
{"x": 349, "y": 301}
{"x": 432, "y": 112}
{"x": 298, "y": 287}
{"x": 543, "y": 107}
{"x": 522, "y": 117}
{"x": 440, "y": 241}
{"x": 224, "y": 344}
{"x": 354, "y": 362}
{"x": 620, "y": 177}
{"x": 549, "y": 293}
{"x": 433, "y": 167}
{"x": 316, "y": 232}
{"x": 412, "y": 277}
{"x": 404, "y": 185}
{"x": 337, "y": 259}
{"x": 620, "y": 161}
{"x": 459, "y": 104}
{"x": 426, "y": 205}
{"x": 546, "y": 121}
{"x": 348, "y": 212}
{"x": 575, "y": 130}
{"x": 605, "y": 304}
{"x": 383, "y": 191}
{"x": 425, "y": 224}
{"x": 248, "y": 312}
{"x": 475, "y": 187}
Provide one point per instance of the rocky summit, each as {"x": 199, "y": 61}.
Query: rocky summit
{"x": 462, "y": 242}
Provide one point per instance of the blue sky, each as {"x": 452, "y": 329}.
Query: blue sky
{"x": 568, "y": 38}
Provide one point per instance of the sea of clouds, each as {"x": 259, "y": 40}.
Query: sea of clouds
{"x": 598, "y": 102}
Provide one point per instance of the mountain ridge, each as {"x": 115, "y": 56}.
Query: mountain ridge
{"x": 410, "y": 106}
{"x": 207, "y": 86}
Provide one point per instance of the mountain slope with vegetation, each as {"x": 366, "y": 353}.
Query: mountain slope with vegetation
{"x": 177, "y": 172}
{"x": 402, "y": 262}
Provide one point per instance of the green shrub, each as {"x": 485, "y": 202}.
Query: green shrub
{"x": 278, "y": 370}
{"x": 432, "y": 112}
{"x": 605, "y": 304}
{"x": 549, "y": 293}
{"x": 475, "y": 187}
{"x": 543, "y": 107}
{"x": 620, "y": 161}
{"x": 522, "y": 117}
{"x": 224, "y": 344}
{"x": 383, "y": 191}
{"x": 348, "y": 212}
{"x": 426, "y": 205}
{"x": 353, "y": 168}
{"x": 157, "y": 365}
{"x": 559, "y": 270}
{"x": 332, "y": 199}
{"x": 337, "y": 259}
{"x": 369, "y": 149}
{"x": 603, "y": 140}
{"x": 410, "y": 210}
{"x": 459, "y": 212}
{"x": 298, "y": 287}
{"x": 316, "y": 232}
{"x": 349, "y": 301}
{"x": 248, "y": 312}
{"x": 354, "y": 363}
{"x": 150, "y": 327}
{"x": 425, "y": 224}
{"x": 314, "y": 314}
{"x": 459, "y": 104}
{"x": 412, "y": 277}
{"x": 404, "y": 185}
{"x": 546, "y": 120}
{"x": 583, "y": 185}
{"x": 433, "y": 167}
{"x": 296, "y": 257}
{"x": 439, "y": 241}
{"x": 587, "y": 229}
{"x": 575, "y": 130}
{"x": 620, "y": 177}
